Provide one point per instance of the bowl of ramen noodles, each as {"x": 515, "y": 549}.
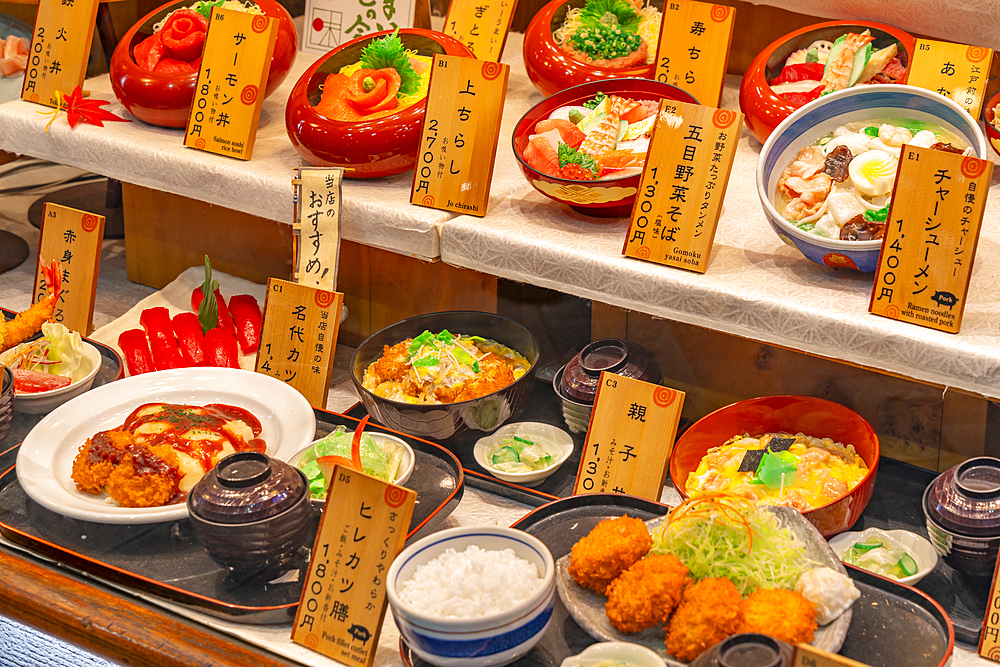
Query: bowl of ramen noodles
{"x": 570, "y": 42}
{"x": 586, "y": 146}
{"x": 361, "y": 106}
{"x": 154, "y": 69}
{"x": 991, "y": 114}
{"x": 448, "y": 377}
{"x": 825, "y": 176}
{"x": 816, "y": 60}
{"x": 812, "y": 454}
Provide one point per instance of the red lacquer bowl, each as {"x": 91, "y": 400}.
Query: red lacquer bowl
{"x": 603, "y": 199}
{"x": 165, "y": 99}
{"x": 790, "y": 414}
{"x": 369, "y": 148}
{"x": 991, "y": 112}
{"x": 550, "y": 68}
{"x": 764, "y": 110}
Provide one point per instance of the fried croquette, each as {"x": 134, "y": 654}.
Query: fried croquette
{"x": 133, "y": 473}
{"x": 646, "y": 593}
{"x": 782, "y": 614}
{"x": 709, "y": 611}
{"x": 613, "y": 546}
{"x": 97, "y": 458}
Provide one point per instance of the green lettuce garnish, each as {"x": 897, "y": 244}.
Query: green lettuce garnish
{"x": 389, "y": 51}
{"x": 208, "y": 311}
{"x": 620, "y": 11}
{"x": 570, "y": 155}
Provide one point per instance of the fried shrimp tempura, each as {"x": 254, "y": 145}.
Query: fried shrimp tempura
{"x": 613, "y": 546}
{"x": 784, "y": 615}
{"x": 710, "y": 611}
{"x": 646, "y": 593}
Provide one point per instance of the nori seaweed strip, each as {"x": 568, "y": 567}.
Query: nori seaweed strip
{"x": 751, "y": 460}
{"x": 779, "y": 444}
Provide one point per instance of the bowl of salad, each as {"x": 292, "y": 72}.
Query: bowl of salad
{"x": 819, "y": 59}
{"x": 524, "y": 452}
{"x": 586, "y": 146}
{"x": 154, "y": 69}
{"x": 382, "y": 455}
{"x": 896, "y": 554}
{"x": 570, "y": 42}
{"x": 361, "y": 106}
{"x": 51, "y": 369}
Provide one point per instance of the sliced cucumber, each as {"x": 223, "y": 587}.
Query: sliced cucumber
{"x": 862, "y": 547}
{"x": 506, "y": 455}
{"x": 831, "y": 57}
{"x": 595, "y": 116}
{"x": 860, "y": 60}
{"x": 908, "y": 565}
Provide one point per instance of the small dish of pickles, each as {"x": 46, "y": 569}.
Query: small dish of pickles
{"x": 896, "y": 554}
{"x": 524, "y": 452}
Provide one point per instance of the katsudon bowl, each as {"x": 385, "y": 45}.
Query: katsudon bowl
{"x": 449, "y": 424}
{"x": 821, "y": 117}
{"x": 383, "y": 146}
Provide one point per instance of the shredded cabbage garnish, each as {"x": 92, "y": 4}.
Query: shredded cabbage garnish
{"x": 58, "y": 352}
{"x": 719, "y": 535}
{"x": 378, "y": 460}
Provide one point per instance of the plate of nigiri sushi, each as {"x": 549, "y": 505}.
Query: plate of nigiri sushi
{"x": 15, "y": 41}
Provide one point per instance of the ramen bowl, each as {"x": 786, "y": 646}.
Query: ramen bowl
{"x": 163, "y": 98}
{"x": 821, "y": 117}
{"x": 786, "y": 414}
{"x": 367, "y": 148}
{"x": 603, "y": 198}
{"x": 449, "y": 423}
{"x": 763, "y": 108}
{"x": 551, "y": 69}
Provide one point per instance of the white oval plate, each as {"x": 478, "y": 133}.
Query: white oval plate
{"x": 45, "y": 460}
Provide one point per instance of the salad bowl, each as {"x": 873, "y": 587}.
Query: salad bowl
{"x": 164, "y": 99}
{"x": 46, "y": 401}
{"x": 558, "y": 442}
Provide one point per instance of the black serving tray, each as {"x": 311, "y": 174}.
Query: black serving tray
{"x": 166, "y": 559}
{"x": 892, "y": 624}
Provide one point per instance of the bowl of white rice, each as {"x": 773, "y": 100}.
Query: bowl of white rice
{"x": 473, "y": 596}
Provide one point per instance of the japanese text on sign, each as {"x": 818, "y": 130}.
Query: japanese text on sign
{"x": 481, "y": 25}
{"x": 59, "y": 49}
{"x": 953, "y": 70}
{"x": 989, "y": 640}
{"x": 693, "y": 48}
{"x": 330, "y": 23}
{"x": 317, "y": 227}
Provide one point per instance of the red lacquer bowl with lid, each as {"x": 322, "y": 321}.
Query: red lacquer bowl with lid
{"x": 991, "y": 114}
{"x": 764, "y": 109}
{"x": 165, "y": 99}
{"x": 787, "y": 414}
{"x": 368, "y": 148}
{"x": 551, "y": 69}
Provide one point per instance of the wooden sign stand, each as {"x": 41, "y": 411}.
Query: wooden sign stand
{"x": 59, "y": 51}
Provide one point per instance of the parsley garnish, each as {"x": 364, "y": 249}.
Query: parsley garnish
{"x": 389, "y": 51}
{"x": 570, "y": 155}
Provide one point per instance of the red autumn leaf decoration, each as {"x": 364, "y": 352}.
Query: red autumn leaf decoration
{"x": 87, "y": 110}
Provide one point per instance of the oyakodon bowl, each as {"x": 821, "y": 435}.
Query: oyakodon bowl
{"x": 165, "y": 99}
{"x": 604, "y": 199}
{"x": 821, "y": 117}
{"x": 551, "y": 69}
{"x": 990, "y": 111}
{"x": 484, "y": 641}
{"x": 764, "y": 109}
{"x": 816, "y": 417}
{"x": 448, "y": 423}
{"x": 367, "y": 148}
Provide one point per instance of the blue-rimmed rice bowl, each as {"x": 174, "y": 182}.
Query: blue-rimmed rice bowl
{"x": 485, "y": 641}
{"x": 821, "y": 117}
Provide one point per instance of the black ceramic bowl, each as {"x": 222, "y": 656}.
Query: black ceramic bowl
{"x": 6, "y": 400}
{"x": 251, "y": 513}
{"x": 447, "y": 423}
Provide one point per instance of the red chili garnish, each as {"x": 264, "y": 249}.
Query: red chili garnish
{"x": 356, "y": 443}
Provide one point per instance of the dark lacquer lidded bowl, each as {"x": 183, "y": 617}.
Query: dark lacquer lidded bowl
{"x": 6, "y": 400}
{"x": 581, "y": 375}
{"x": 251, "y": 512}
{"x": 962, "y": 507}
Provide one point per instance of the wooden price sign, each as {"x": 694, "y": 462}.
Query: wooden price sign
{"x": 683, "y": 184}
{"x": 930, "y": 241}
{"x": 343, "y": 601}
{"x": 316, "y": 228}
{"x": 808, "y": 656}
{"x": 60, "y": 49}
{"x": 954, "y": 70}
{"x": 330, "y": 23}
{"x": 693, "y": 48}
{"x": 461, "y": 126}
{"x": 74, "y": 239}
{"x": 231, "y": 83}
{"x": 989, "y": 640}
{"x": 482, "y": 25}
{"x": 631, "y": 435}
{"x": 299, "y": 337}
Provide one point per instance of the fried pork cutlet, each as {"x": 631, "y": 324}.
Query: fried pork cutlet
{"x": 133, "y": 473}
{"x": 97, "y": 458}
{"x": 494, "y": 374}
{"x": 613, "y": 546}
{"x": 784, "y": 615}
{"x": 646, "y": 593}
{"x": 710, "y": 611}
{"x": 392, "y": 365}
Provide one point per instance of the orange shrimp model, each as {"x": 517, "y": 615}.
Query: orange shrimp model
{"x": 604, "y": 137}
{"x": 30, "y": 321}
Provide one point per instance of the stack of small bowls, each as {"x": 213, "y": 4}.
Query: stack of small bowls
{"x": 576, "y": 383}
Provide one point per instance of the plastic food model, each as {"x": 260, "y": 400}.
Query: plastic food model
{"x": 154, "y": 69}
{"x": 13, "y": 55}
{"x": 574, "y": 42}
{"x": 361, "y": 106}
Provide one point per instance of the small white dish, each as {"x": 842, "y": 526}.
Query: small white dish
{"x": 915, "y": 545}
{"x": 405, "y": 465}
{"x": 633, "y": 654}
{"x": 42, "y": 402}
{"x": 558, "y": 439}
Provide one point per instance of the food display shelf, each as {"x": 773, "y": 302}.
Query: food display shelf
{"x": 167, "y": 560}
